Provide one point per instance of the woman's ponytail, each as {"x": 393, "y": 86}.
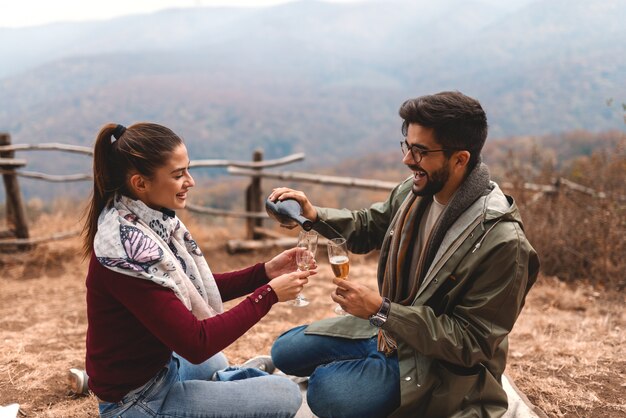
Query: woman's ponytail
{"x": 104, "y": 181}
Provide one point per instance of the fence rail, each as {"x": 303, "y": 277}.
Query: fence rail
{"x": 53, "y": 146}
{"x": 246, "y": 164}
{"x": 316, "y": 178}
{"x": 8, "y": 164}
{"x": 48, "y": 177}
{"x": 12, "y": 162}
{"x": 256, "y": 236}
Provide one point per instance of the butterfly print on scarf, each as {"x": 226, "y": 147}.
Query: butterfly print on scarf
{"x": 141, "y": 251}
{"x": 178, "y": 257}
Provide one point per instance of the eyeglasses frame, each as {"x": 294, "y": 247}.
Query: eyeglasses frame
{"x": 406, "y": 147}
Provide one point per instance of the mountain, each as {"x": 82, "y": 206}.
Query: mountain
{"x": 324, "y": 78}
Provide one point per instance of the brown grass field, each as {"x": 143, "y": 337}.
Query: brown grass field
{"x": 567, "y": 351}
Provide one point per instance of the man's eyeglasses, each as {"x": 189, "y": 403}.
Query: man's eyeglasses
{"x": 418, "y": 153}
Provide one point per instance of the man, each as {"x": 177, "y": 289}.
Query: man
{"x": 454, "y": 270}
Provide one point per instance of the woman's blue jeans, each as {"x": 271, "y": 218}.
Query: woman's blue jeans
{"x": 182, "y": 389}
{"x": 348, "y": 377}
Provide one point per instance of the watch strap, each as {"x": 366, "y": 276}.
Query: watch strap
{"x": 380, "y": 317}
{"x": 385, "y": 306}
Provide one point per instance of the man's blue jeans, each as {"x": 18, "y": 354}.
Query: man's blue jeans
{"x": 348, "y": 378}
{"x": 183, "y": 389}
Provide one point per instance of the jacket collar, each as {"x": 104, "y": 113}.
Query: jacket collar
{"x": 493, "y": 207}
{"x": 475, "y": 186}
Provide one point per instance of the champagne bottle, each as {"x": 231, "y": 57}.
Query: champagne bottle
{"x": 288, "y": 212}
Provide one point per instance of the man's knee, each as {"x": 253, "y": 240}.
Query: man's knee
{"x": 331, "y": 399}
{"x": 347, "y": 392}
{"x": 284, "y": 349}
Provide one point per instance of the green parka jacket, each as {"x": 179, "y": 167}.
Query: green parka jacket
{"x": 452, "y": 340}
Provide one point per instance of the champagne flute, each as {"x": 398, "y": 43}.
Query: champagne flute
{"x": 305, "y": 259}
{"x": 339, "y": 262}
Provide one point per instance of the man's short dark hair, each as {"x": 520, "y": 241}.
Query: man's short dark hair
{"x": 458, "y": 121}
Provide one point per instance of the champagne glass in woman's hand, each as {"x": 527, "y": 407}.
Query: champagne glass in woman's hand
{"x": 305, "y": 258}
{"x": 340, "y": 263}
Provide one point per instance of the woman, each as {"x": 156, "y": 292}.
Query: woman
{"x": 156, "y": 324}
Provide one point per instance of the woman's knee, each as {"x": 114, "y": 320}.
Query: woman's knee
{"x": 286, "y": 396}
{"x": 293, "y": 397}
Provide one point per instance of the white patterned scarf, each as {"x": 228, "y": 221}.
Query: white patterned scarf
{"x": 141, "y": 242}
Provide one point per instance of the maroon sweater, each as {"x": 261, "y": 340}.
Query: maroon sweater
{"x": 135, "y": 324}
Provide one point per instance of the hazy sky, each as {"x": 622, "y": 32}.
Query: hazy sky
{"x": 17, "y": 13}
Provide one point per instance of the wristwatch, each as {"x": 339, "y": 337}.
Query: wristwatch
{"x": 380, "y": 317}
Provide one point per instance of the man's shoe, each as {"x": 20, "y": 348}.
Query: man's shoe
{"x": 263, "y": 363}
{"x": 77, "y": 380}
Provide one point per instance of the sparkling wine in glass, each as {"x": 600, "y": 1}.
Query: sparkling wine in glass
{"x": 305, "y": 259}
{"x": 339, "y": 262}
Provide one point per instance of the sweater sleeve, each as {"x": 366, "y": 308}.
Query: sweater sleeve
{"x": 167, "y": 318}
{"x": 241, "y": 282}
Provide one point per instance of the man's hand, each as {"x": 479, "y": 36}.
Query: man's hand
{"x": 356, "y": 299}
{"x": 282, "y": 193}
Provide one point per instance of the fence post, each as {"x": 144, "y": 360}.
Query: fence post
{"x": 14, "y": 208}
{"x": 254, "y": 199}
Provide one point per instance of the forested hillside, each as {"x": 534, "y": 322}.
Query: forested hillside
{"x": 311, "y": 76}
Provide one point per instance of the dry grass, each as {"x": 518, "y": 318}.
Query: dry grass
{"x": 567, "y": 350}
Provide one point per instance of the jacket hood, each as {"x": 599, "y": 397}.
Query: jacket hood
{"x": 498, "y": 205}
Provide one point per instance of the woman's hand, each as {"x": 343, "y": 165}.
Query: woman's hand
{"x": 282, "y": 193}
{"x": 288, "y": 286}
{"x": 283, "y": 263}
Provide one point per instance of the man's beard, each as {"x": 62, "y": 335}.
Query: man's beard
{"x": 434, "y": 183}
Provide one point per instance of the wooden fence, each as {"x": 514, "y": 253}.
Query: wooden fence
{"x": 17, "y": 235}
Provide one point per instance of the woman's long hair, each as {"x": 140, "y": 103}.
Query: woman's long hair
{"x": 118, "y": 154}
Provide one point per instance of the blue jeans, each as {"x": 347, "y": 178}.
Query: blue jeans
{"x": 182, "y": 389}
{"x": 348, "y": 377}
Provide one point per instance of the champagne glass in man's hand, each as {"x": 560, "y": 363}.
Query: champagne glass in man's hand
{"x": 305, "y": 258}
{"x": 339, "y": 262}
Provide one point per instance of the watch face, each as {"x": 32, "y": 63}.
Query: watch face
{"x": 377, "y": 321}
